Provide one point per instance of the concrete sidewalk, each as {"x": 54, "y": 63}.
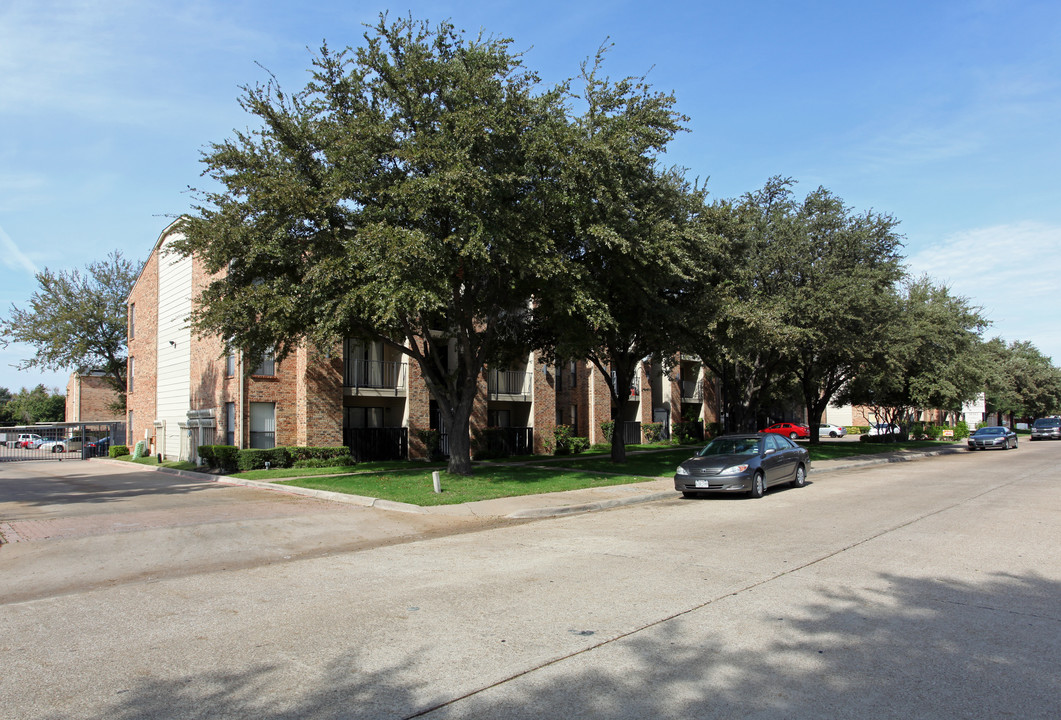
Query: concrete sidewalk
{"x": 554, "y": 504}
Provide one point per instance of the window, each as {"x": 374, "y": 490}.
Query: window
{"x": 129, "y": 375}
{"x": 230, "y": 423}
{"x": 263, "y": 425}
{"x": 130, "y": 433}
{"x": 267, "y": 366}
{"x": 230, "y": 364}
{"x": 132, "y": 320}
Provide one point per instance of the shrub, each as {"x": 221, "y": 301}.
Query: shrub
{"x": 564, "y": 443}
{"x": 219, "y": 457}
{"x": 336, "y": 461}
{"x": 653, "y": 431}
{"x": 307, "y": 452}
{"x": 253, "y": 459}
{"x": 118, "y": 451}
{"x": 961, "y": 430}
{"x": 608, "y": 427}
{"x": 712, "y": 430}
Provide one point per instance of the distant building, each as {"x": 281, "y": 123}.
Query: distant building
{"x": 90, "y": 397}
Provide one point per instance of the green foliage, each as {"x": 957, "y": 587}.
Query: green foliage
{"x": 564, "y": 442}
{"x": 653, "y": 431}
{"x": 487, "y": 444}
{"x": 33, "y": 406}
{"x": 801, "y": 308}
{"x": 118, "y": 451}
{"x": 932, "y": 356}
{"x": 401, "y": 195}
{"x": 608, "y": 428}
{"x": 255, "y": 459}
{"x": 961, "y": 430}
{"x": 1022, "y": 381}
{"x": 77, "y": 320}
{"x": 220, "y": 457}
{"x": 328, "y": 452}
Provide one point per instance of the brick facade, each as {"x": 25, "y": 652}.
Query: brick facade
{"x": 312, "y": 405}
{"x": 89, "y": 398}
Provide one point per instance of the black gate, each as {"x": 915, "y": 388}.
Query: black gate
{"x": 369, "y": 444}
{"x": 59, "y": 441}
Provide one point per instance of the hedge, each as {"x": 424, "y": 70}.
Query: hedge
{"x": 118, "y": 451}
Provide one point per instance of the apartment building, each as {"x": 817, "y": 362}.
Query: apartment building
{"x": 185, "y": 391}
{"x": 90, "y": 397}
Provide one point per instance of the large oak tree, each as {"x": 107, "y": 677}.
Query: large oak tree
{"x": 398, "y": 196}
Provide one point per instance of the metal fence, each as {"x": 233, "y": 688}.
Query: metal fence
{"x": 502, "y": 442}
{"x": 59, "y": 441}
{"x": 369, "y": 444}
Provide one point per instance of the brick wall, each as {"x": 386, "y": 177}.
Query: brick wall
{"x": 89, "y": 399}
{"x": 143, "y": 350}
{"x": 319, "y": 402}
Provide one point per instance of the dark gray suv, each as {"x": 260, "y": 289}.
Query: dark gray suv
{"x": 1047, "y": 428}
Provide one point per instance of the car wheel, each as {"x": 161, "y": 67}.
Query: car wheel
{"x": 793, "y": 436}
{"x": 758, "y": 486}
{"x": 1014, "y": 443}
{"x": 833, "y": 434}
{"x": 801, "y": 477}
{"x": 55, "y": 449}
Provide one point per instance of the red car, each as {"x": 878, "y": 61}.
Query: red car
{"x": 790, "y": 429}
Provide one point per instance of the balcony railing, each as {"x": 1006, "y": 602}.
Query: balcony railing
{"x": 368, "y": 444}
{"x": 692, "y": 391}
{"x": 509, "y": 382}
{"x": 375, "y": 375}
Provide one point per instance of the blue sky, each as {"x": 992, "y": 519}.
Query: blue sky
{"x": 943, "y": 114}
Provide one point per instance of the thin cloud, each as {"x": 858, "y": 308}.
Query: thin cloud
{"x": 1009, "y": 270}
{"x": 14, "y": 258}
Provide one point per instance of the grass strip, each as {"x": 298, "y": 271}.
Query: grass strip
{"x": 488, "y": 482}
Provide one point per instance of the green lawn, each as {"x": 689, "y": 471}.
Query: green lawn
{"x": 411, "y": 482}
{"x": 152, "y": 460}
{"x": 489, "y": 481}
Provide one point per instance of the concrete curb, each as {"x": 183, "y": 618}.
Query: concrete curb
{"x": 481, "y": 508}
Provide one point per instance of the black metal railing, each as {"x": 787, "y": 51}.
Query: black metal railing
{"x": 369, "y": 444}
{"x": 375, "y": 374}
{"x": 509, "y": 382}
{"x": 631, "y": 432}
{"x": 506, "y": 441}
{"x": 692, "y": 391}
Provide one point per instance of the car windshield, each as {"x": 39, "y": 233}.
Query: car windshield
{"x": 1047, "y": 423}
{"x": 731, "y": 446}
{"x": 991, "y": 431}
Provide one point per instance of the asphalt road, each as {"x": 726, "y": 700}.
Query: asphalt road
{"x": 926, "y": 589}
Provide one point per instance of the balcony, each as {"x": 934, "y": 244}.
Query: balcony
{"x": 692, "y": 391}
{"x": 509, "y": 385}
{"x": 374, "y": 378}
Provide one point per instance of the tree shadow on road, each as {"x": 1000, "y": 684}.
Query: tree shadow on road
{"x": 904, "y": 647}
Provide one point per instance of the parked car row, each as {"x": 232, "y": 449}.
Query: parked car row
{"x": 76, "y": 443}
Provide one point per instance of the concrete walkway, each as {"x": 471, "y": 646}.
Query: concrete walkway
{"x": 553, "y": 504}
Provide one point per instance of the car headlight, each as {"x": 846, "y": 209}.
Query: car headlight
{"x": 681, "y": 471}
{"x": 734, "y": 469}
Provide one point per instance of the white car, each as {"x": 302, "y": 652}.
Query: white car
{"x": 830, "y": 430}
{"x": 73, "y": 444}
{"x": 30, "y": 441}
{"x": 884, "y": 429}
